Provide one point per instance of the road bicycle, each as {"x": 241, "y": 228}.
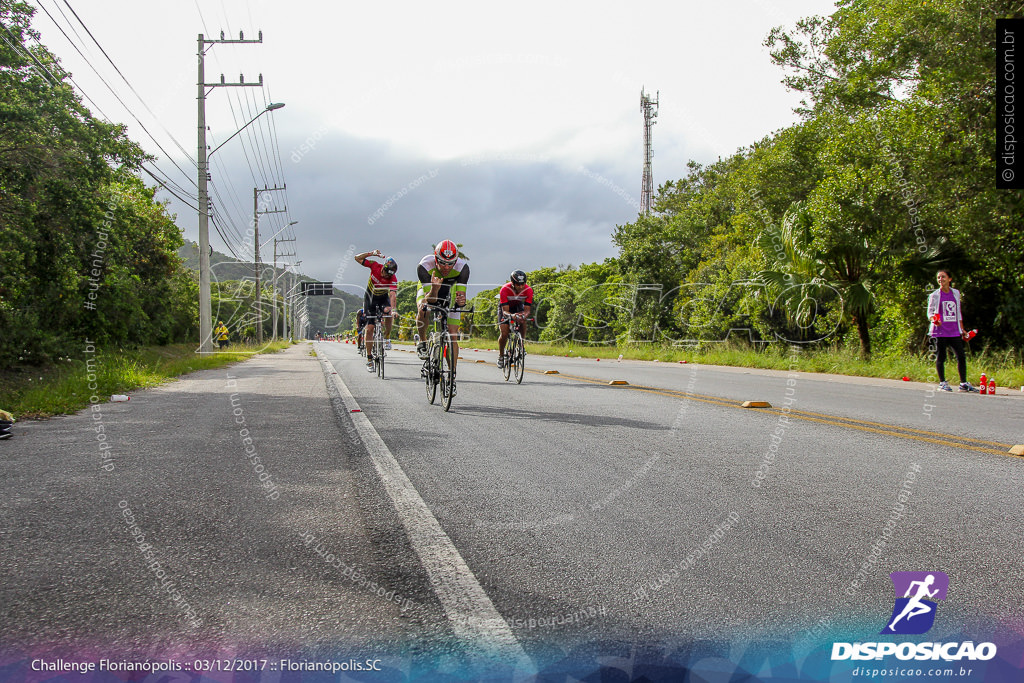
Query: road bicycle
{"x": 515, "y": 352}
{"x": 439, "y": 368}
{"x": 378, "y": 341}
{"x": 360, "y": 343}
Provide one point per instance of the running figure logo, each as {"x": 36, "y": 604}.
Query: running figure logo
{"x": 949, "y": 311}
{"x": 916, "y": 596}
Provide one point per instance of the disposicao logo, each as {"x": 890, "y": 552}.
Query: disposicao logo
{"x": 916, "y": 595}
{"x": 913, "y": 613}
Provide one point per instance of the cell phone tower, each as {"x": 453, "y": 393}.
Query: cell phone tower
{"x": 650, "y": 109}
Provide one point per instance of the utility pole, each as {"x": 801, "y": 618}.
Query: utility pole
{"x": 205, "y": 307}
{"x": 649, "y": 108}
{"x": 274, "y": 288}
{"x": 256, "y": 254}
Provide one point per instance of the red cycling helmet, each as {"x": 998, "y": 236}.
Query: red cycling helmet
{"x": 446, "y": 253}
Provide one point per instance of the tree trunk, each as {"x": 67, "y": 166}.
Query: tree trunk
{"x": 861, "y": 321}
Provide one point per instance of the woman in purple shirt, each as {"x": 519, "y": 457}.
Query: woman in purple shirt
{"x": 947, "y": 330}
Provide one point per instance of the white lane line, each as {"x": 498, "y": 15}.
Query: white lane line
{"x": 474, "y": 619}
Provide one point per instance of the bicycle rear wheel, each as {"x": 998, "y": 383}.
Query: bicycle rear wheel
{"x": 447, "y": 370}
{"x": 520, "y": 355}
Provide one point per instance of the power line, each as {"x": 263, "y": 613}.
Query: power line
{"x": 233, "y": 196}
{"x": 264, "y": 149}
{"x": 227, "y": 244}
{"x": 164, "y": 182}
{"x": 276, "y": 148}
{"x": 254, "y": 146}
{"x": 55, "y": 82}
{"x": 221, "y": 205}
{"x": 252, "y": 152}
{"x": 187, "y": 155}
{"x": 114, "y": 93}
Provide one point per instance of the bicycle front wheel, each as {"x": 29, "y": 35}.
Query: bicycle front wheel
{"x": 520, "y": 355}
{"x": 378, "y": 352}
{"x": 430, "y": 373}
{"x": 447, "y": 368}
{"x": 510, "y": 348}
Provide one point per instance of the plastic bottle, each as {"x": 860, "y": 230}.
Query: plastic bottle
{"x": 971, "y": 335}
{"x": 991, "y": 387}
{"x": 120, "y": 398}
{"x": 983, "y": 384}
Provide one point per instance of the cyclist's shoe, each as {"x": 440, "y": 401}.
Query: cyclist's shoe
{"x": 451, "y": 389}
{"x": 967, "y": 386}
{"x": 501, "y": 361}
{"x": 944, "y": 386}
{"x": 387, "y": 344}
{"x": 421, "y": 350}
{"x": 370, "y": 367}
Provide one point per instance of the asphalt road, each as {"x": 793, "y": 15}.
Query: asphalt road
{"x": 662, "y": 512}
{"x": 572, "y": 522}
{"x": 177, "y": 542}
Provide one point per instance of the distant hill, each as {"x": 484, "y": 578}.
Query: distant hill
{"x": 224, "y": 267}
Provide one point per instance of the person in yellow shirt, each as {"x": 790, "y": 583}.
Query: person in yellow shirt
{"x": 221, "y": 334}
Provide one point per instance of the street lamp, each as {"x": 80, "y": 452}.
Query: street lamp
{"x": 205, "y": 307}
{"x": 270, "y": 107}
{"x": 277, "y": 233}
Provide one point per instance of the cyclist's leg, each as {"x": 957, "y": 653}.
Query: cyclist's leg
{"x": 368, "y": 336}
{"x": 453, "y": 330}
{"x": 502, "y": 334}
{"x": 421, "y": 311}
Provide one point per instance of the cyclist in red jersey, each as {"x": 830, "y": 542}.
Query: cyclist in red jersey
{"x": 381, "y": 291}
{"x": 515, "y": 300}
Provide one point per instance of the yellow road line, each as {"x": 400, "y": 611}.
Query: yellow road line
{"x": 939, "y": 438}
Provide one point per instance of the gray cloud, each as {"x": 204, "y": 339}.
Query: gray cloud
{"x": 510, "y": 211}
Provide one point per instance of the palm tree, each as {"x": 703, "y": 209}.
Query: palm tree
{"x": 800, "y": 276}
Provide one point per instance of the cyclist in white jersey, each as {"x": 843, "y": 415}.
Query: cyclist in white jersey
{"x": 441, "y": 274}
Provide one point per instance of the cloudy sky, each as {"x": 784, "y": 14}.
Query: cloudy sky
{"x": 514, "y": 129}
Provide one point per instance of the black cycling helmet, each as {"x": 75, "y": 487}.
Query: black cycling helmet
{"x": 390, "y": 266}
{"x": 518, "y": 277}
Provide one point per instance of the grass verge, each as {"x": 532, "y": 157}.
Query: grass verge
{"x": 69, "y": 386}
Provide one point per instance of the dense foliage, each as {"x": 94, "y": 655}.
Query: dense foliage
{"x": 86, "y": 252}
{"x": 830, "y": 230}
